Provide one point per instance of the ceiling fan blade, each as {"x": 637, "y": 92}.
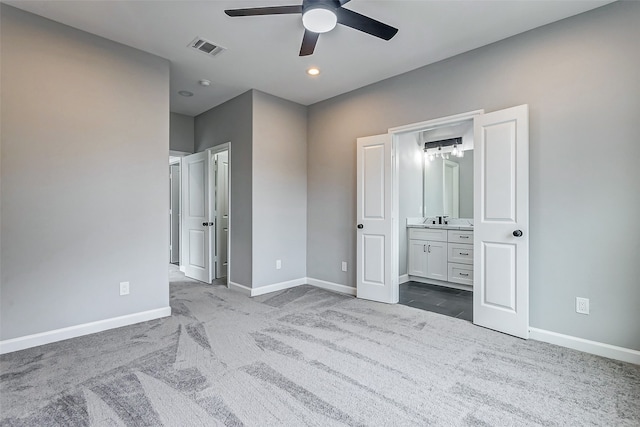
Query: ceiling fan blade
{"x": 257, "y": 11}
{"x": 365, "y": 24}
{"x": 309, "y": 41}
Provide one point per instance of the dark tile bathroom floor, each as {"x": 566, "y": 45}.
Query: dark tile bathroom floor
{"x": 447, "y": 301}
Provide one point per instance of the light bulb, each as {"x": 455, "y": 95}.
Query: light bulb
{"x": 454, "y": 152}
{"x": 461, "y": 153}
{"x": 430, "y": 157}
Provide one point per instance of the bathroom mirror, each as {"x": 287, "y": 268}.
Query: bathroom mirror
{"x": 448, "y": 186}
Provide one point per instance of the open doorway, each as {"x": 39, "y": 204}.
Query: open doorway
{"x": 435, "y": 174}
{"x": 221, "y": 199}
{"x": 174, "y": 210}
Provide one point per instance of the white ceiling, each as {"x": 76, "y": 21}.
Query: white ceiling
{"x": 263, "y": 51}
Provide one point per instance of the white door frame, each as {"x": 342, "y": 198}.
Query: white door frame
{"x": 212, "y": 152}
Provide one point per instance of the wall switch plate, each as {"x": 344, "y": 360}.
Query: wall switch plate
{"x": 582, "y": 305}
{"x": 344, "y": 265}
{"x": 278, "y": 264}
{"x": 124, "y": 288}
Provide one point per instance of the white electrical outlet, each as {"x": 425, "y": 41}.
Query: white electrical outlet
{"x": 582, "y": 305}
{"x": 278, "y": 264}
{"x": 124, "y": 288}
{"x": 344, "y": 265}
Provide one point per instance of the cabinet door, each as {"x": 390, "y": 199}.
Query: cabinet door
{"x": 417, "y": 258}
{"x": 437, "y": 260}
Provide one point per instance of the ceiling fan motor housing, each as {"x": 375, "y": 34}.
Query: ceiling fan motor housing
{"x": 319, "y": 16}
{"x": 320, "y": 4}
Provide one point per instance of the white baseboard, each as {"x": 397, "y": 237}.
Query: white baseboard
{"x": 183, "y": 269}
{"x": 403, "y": 279}
{"x": 277, "y": 287}
{"x": 331, "y": 286}
{"x": 28, "y": 341}
{"x": 253, "y": 292}
{"x": 587, "y": 346}
{"x": 239, "y": 288}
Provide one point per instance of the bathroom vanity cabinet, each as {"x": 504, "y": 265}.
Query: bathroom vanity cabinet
{"x": 428, "y": 253}
{"x": 443, "y": 255}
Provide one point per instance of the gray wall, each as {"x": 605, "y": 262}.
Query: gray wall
{"x": 85, "y": 140}
{"x": 580, "y": 79}
{"x": 232, "y": 122}
{"x": 181, "y": 129}
{"x": 279, "y": 189}
{"x": 410, "y": 159}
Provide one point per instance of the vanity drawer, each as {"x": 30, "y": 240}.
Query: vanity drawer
{"x": 460, "y": 236}
{"x": 428, "y": 234}
{"x": 461, "y": 253}
{"x": 461, "y": 273}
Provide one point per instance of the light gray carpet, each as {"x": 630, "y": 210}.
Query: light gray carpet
{"x": 309, "y": 357}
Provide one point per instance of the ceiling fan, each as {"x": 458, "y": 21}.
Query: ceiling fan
{"x": 321, "y": 16}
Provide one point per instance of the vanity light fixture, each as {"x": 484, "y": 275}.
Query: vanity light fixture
{"x": 456, "y": 151}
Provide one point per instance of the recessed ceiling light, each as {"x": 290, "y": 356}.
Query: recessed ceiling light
{"x": 313, "y": 71}
{"x": 205, "y": 82}
{"x": 185, "y": 93}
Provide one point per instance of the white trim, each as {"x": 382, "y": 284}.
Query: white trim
{"x": 278, "y": 286}
{"x": 238, "y": 287}
{"x": 421, "y": 126}
{"x": 403, "y": 279}
{"x": 182, "y": 268}
{"x": 254, "y": 292}
{"x": 343, "y": 289}
{"x": 28, "y": 341}
{"x": 587, "y": 346}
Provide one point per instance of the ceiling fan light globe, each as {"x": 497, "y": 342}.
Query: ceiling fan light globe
{"x": 319, "y": 20}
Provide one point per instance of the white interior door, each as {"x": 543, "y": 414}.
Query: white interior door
{"x": 222, "y": 213}
{"x": 374, "y": 276}
{"x": 196, "y": 234}
{"x": 501, "y": 213}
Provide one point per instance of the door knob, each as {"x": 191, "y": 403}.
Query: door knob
{"x": 360, "y": 226}
{"x": 517, "y": 233}
{"x": 205, "y": 224}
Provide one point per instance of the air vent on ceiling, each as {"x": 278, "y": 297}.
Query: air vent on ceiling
{"x": 205, "y": 46}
